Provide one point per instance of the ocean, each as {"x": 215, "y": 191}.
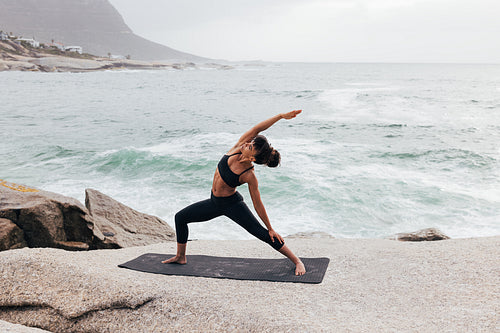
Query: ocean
{"x": 379, "y": 148}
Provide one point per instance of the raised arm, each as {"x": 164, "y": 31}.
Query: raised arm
{"x": 263, "y": 125}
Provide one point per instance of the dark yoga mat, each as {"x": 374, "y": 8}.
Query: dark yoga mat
{"x": 279, "y": 270}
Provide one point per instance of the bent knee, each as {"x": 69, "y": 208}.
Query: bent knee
{"x": 180, "y": 218}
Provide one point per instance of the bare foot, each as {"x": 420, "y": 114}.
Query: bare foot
{"x": 175, "y": 260}
{"x": 300, "y": 269}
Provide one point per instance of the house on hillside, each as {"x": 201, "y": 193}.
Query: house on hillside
{"x": 4, "y": 36}
{"x": 77, "y": 49}
{"x": 57, "y": 45}
{"x": 29, "y": 41}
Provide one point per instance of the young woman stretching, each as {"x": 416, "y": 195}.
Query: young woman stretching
{"x": 234, "y": 169}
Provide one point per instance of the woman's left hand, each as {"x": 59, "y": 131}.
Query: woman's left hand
{"x": 273, "y": 234}
{"x": 291, "y": 114}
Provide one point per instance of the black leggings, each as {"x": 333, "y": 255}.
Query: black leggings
{"x": 233, "y": 207}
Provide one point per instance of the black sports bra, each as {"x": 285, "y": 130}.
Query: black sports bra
{"x": 227, "y": 175}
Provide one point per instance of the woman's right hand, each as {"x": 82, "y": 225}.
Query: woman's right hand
{"x": 291, "y": 114}
{"x": 274, "y": 235}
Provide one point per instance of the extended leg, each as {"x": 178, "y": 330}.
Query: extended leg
{"x": 241, "y": 214}
{"x": 300, "y": 269}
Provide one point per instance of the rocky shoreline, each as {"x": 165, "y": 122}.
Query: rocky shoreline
{"x": 371, "y": 285}
{"x": 34, "y": 218}
{"x": 14, "y": 57}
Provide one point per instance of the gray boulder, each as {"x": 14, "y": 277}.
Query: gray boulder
{"x": 35, "y": 218}
{"x": 123, "y": 226}
{"x": 11, "y": 236}
{"x": 47, "y": 219}
{"x": 429, "y": 234}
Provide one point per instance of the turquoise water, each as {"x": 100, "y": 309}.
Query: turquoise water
{"x": 379, "y": 148}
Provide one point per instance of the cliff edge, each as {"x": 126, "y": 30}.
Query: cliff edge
{"x": 94, "y": 25}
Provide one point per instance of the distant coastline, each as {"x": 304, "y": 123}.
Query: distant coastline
{"x": 23, "y": 57}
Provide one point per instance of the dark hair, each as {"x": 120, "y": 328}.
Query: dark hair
{"x": 266, "y": 154}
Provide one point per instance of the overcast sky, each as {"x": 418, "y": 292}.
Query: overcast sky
{"x": 322, "y": 30}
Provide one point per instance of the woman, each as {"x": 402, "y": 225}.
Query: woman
{"x": 234, "y": 169}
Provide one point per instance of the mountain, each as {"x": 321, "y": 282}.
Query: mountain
{"x": 94, "y": 25}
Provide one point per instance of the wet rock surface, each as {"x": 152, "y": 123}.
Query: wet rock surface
{"x": 423, "y": 235}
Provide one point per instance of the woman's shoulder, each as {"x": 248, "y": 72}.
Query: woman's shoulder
{"x": 244, "y": 139}
{"x": 249, "y": 177}
{"x": 234, "y": 150}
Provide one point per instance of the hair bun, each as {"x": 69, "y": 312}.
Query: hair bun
{"x": 274, "y": 159}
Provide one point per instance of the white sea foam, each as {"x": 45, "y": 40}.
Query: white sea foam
{"x": 378, "y": 105}
{"x": 378, "y": 149}
{"x": 193, "y": 144}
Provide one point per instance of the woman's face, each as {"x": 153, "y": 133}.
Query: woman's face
{"x": 248, "y": 150}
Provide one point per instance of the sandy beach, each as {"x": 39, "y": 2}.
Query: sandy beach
{"x": 371, "y": 285}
